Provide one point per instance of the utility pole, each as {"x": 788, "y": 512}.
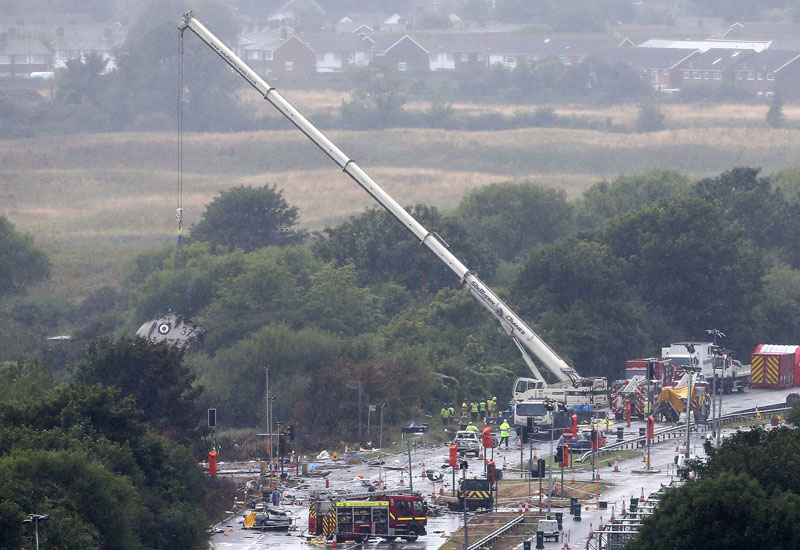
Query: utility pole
{"x": 410, "y": 476}
{"x": 466, "y": 520}
{"x": 269, "y": 417}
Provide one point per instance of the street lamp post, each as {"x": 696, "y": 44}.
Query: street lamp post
{"x": 690, "y": 370}
{"x": 36, "y": 519}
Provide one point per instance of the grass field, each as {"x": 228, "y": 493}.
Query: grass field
{"x": 92, "y": 200}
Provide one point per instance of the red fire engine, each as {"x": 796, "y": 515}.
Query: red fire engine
{"x": 388, "y": 516}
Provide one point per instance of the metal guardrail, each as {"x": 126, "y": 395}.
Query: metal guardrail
{"x": 671, "y": 432}
{"x": 497, "y": 533}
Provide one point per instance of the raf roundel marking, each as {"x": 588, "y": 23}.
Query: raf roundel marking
{"x": 163, "y": 328}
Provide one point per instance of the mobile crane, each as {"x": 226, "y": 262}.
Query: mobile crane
{"x": 570, "y": 388}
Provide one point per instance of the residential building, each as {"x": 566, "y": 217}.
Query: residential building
{"x": 23, "y": 56}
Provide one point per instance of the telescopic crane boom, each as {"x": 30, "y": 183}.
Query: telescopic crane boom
{"x": 523, "y": 336}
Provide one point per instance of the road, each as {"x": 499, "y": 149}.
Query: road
{"x": 626, "y": 483}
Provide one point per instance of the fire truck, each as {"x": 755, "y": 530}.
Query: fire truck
{"x": 633, "y": 389}
{"x": 360, "y": 517}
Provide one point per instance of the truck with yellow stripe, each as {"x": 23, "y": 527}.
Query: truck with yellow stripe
{"x": 380, "y": 515}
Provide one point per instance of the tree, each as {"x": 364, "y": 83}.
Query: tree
{"x": 81, "y": 451}
{"x": 684, "y": 257}
{"x": 750, "y": 202}
{"x": 576, "y": 292}
{"x": 649, "y": 119}
{"x": 146, "y": 81}
{"x": 775, "y": 118}
{"x": 21, "y": 264}
{"x": 377, "y": 99}
{"x": 604, "y": 200}
{"x": 383, "y": 250}
{"x": 83, "y": 80}
{"x": 154, "y": 375}
{"x": 714, "y": 514}
{"x": 249, "y": 218}
{"x": 513, "y": 218}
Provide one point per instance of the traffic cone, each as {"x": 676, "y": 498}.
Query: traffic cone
{"x": 527, "y": 506}
{"x": 642, "y": 497}
{"x": 612, "y": 513}
{"x": 441, "y": 490}
{"x": 519, "y": 509}
{"x": 598, "y": 476}
{"x": 616, "y": 465}
{"x": 480, "y": 456}
{"x": 624, "y": 513}
{"x": 591, "y": 531}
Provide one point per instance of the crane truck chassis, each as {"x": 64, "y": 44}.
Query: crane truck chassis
{"x": 526, "y": 340}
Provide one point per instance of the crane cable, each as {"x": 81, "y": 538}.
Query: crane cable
{"x": 179, "y": 191}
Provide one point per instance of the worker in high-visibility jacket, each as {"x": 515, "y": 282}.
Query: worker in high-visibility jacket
{"x": 452, "y": 413}
{"x": 504, "y": 432}
{"x": 489, "y": 408}
{"x": 482, "y": 409}
{"x": 473, "y": 409}
{"x": 472, "y": 427}
{"x": 464, "y": 411}
{"x": 445, "y": 415}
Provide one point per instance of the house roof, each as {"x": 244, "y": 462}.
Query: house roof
{"x": 515, "y": 44}
{"x": 705, "y": 45}
{"x": 645, "y": 58}
{"x": 24, "y": 46}
{"x": 769, "y": 61}
{"x": 339, "y": 43}
{"x": 717, "y": 60}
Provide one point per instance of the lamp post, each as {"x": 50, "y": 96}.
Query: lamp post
{"x": 717, "y": 410}
{"x": 36, "y": 519}
{"x": 690, "y": 370}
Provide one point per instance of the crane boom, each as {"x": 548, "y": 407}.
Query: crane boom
{"x": 526, "y": 339}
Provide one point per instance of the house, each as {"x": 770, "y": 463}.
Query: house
{"x": 765, "y": 73}
{"x": 23, "y": 56}
{"x": 402, "y": 54}
{"x": 335, "y": 52}
{"x": 656, "y": 66}
{"x": 477, "y": 51}
{"x": 79, "y": 42}
{"x": 278, "y": 57}
{"x": 714, "y": 67}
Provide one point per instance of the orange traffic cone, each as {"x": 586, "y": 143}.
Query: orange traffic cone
{"x": 519, "y": 509}
{"x": 527, "y": 506}
{"x": 642, "y": 497}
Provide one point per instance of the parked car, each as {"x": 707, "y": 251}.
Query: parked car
{"x": 583, "y": 442}
{"x": 468, "y": 442}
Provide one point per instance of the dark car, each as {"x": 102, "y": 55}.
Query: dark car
{"x": 583, "y": 442}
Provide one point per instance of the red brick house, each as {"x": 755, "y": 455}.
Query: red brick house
{"x": 765, "y": 73}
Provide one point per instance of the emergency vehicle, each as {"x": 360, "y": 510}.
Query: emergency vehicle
{"x": 360, "y": 517}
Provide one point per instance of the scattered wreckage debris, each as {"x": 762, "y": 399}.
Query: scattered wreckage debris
{"x": 172, "y": 329}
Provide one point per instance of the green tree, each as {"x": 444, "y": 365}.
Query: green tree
{"x": 383, "y": 250}
{"x": 82, "y": 449}
{"x": 154, "y": 375}
{"x": 513, "y": 218}
{"x": 377, "y": 99}
{"x": 750, "y": 202}
{"x": 604, "y": 200}
{"x": 775, "y": 117}
{"x": 21, "y": 263}
{"x": 272, "y": 287}
{"x": 83, "y": 80}
{"x": 684, "y": 257}
{"x": 148, "y": 66}
{"x": 577, "y": 294}
{"x": 714, "y": 514}
{"x": 249, "y": 218}
{"x": 649, "y": 119}
{"x": 336, "y": 303}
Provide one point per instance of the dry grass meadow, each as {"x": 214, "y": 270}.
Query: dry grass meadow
{"x": 93, "y": 200}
